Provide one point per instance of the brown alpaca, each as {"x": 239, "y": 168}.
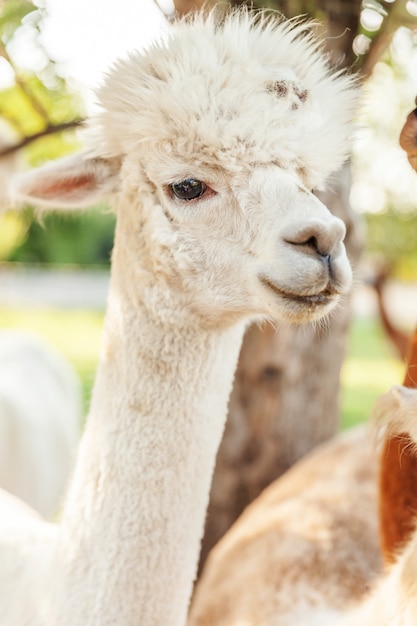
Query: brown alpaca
{"x": 398, "y": 473}
{"x": 408, "y": 138}
{"x": 398, "y": 478}
{"x": 399, "y": 339}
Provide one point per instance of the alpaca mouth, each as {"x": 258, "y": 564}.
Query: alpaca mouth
{"x": 318, "y": 299}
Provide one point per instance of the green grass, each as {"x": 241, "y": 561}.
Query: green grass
{"x": 369, "y": 370}
{"x": 76, "y": 334}
{"x": 370, "y": 367}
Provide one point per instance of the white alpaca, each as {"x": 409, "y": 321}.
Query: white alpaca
{"x": 209, "y": 145}
{"x": 40, "y": 419}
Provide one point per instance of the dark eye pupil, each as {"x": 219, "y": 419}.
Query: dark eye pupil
{"x": 188, "y": 189}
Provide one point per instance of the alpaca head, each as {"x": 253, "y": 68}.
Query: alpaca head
{"x": 210, "y": 144}
{"x": 396, "y": 411}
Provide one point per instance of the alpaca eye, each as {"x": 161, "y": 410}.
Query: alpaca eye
{"x": 188, "y": 189}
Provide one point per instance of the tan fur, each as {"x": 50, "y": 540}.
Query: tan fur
{"x": 307, "y": 547}
{"x": 306, "y": 552}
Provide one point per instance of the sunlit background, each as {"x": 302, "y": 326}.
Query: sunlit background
{"x": 83, "y": 38}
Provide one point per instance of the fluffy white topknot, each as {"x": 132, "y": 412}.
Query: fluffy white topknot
{"x": 229, "y": 91}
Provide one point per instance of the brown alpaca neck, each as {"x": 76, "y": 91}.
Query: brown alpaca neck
{"x": 399, "y": 339}
{"x": 398, "y": 479}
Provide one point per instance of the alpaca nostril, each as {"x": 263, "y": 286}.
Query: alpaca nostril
{"x": 312, "y": 242}
{"x": 315, "y": 246}
{"x": 317, "y": 237}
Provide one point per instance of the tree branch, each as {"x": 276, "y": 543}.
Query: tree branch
{"x": 24, "y": 87}
{"x": 48, "y": 130}
{"x": 397, "y": 15}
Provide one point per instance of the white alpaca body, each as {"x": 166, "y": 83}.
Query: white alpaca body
{"x": 78, "y": 581}
{"x": 187, "y": 275}
{"x": 40, "y": 417}
{"x": 26, "y": 545}
{"x": 165, "y": 460}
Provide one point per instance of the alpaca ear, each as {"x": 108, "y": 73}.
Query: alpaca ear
{"x": 73, "y": 182}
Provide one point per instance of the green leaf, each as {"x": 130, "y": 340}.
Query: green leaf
{"x": 12, "y": 13}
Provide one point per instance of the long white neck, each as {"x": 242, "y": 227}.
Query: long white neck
{"x": 133, "y": 521}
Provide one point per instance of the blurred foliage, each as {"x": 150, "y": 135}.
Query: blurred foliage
{"x": 37, "y": 100}
{"x": 384, "y": 186}
{"x": 52, "y": 106}
{"x": 65, "y": 238}
{"x": 12, "y": 234}
{"x": 11, "y": 17}
{"x": 392, "y": 239}
{"x": 42, "y": 112}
